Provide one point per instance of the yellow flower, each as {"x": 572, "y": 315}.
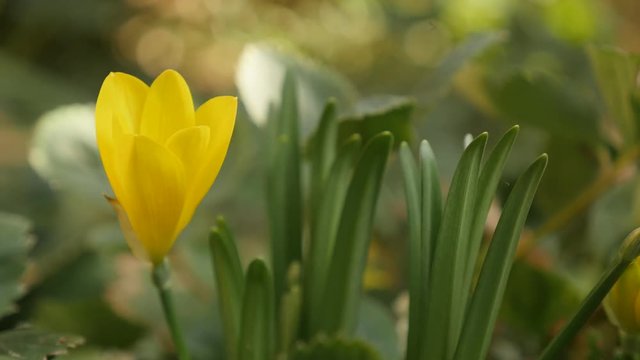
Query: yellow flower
{"x": 161, "y": 156}
{"x": 622, "y": 304}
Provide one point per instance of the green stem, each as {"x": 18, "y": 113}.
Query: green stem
{"x": 629, "y": 251}
{"x": 160, "y": 279}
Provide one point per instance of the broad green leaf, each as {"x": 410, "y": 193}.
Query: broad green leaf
{"x": 30, "y": 343}
{"x": 229, "y": 283}
{"x": 325, "y": 230}
{"x": 64, "y": 152}
{"x": 487, "y": 297}
{"x": 323, "y": 348}
{"x": 488, "y": 183}
{"x": 439, "y": 81}
{"x": 377, "y": 114}
{"x": 342, "y": 290}
{"x": 28, "y": 91}
{"x": 260, "y": 76}
{"x": 257, "y": 327}
{"x": 283, "y": 188}
{"x": 445, "y": 310}
{"x": 616, "y": 73}
{"x": 14, "y": 248}
{"x": 540, "y": 100}
{"x": 536, "y": 299}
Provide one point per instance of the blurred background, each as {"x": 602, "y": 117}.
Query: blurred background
{"x": 562, "y": 69}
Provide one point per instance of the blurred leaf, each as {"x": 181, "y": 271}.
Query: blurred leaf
{"x": 573, "y": 20}
{"x": 29, "y": 92}
{"x": 257, "y": 329}
{"x": 611, "y": 217}
{"x": 569, "y": 173}
{"x": 229, "y": 283}
{"x": 344, "y": 284}
{"x": 536, "y": 299}
{"x": 65, "y": 153}
{"x": 377, "y": 327}
{"x": 616, "y": 72}
{"x": 91, "y": 317}
{"x": 444, "y": 308}
{"x": 33, "y": 344}
{"x": 439, "y": 80}
{"x": 14, "y": 248}
{"x": 323, "y": 348}
{"x": 284, "y": 191}
{"x": 260, "y": 76}
{"x": 547, "y": 103}
{"x": 487, "y": 297}
{"x": 376, "y": 114}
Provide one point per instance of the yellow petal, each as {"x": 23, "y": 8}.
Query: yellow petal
{"x": 127, "y": 230}
{"x": 219, "y": 114}
{"x": 190, "y": 146}
{"x": 155, "y": 189}
{"x": 168, "y": 108}
{"x": 123, "y": 96}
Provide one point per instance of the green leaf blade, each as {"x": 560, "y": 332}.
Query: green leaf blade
{"x": 324, "y": 232}
{"x": 344, "y": 284}
{"x": 284, "y": 189}
{"x": 412, "y": 196}
{"x": 488, "y": 183}
{"x": 229, "y": 278}
{"x": 486, "y": 300}
{"x": 444, "y": 310}
{"x": 257, "y": 329}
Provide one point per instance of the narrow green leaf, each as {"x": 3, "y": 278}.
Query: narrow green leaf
{"x": 486, "y": 300}
{"x": 412, "y": 199}
{"x": 629, "y": 251}
{"x": 424, "y": 210}
{"x": 488, "y": 183}
{"x": 325, "y": 230}
{"x": 322, "y": 148}
{"x": 431, "y": 208}
{"x": 290, "y": 307}
{"x": 229, "y": 283}
{"x": 444, "y": 308}
{"x": 344, "y": 284}
{"x": 257, "y": 328}
{"x": 284, "y": 194}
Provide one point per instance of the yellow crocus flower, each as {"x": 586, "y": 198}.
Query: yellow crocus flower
{"x": 622, "y": 304}
{"x": 161, "y": 156}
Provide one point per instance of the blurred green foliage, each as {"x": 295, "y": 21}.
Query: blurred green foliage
{"x": 563, "y": 69}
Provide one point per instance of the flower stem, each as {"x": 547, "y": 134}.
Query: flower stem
{"x": 160, "y": 279}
